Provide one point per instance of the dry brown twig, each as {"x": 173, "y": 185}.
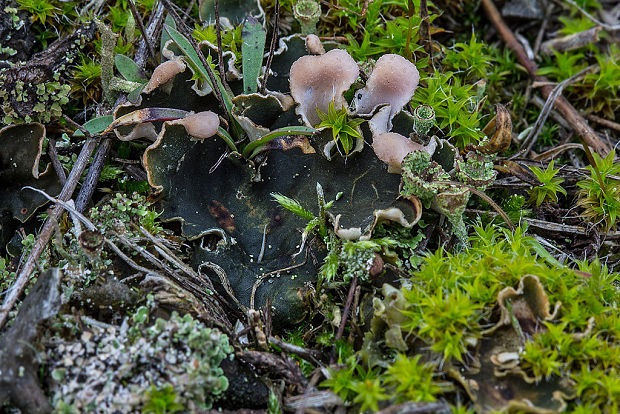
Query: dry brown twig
{"x": 604, "y": 122}
{"x": 46, "y": 232}
{"x": 60, "y": 172}
{"x": 556, "y": 92}
{"x": 272, "y": 47}
{"x": 307, "y": 354}
{"x": 573, "y": 117}
{"x": 218, "y": 33}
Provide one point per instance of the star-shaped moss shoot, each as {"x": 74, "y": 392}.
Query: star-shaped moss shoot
{"x": 344, "y": 130}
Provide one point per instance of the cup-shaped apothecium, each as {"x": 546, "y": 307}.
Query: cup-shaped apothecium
{"x": 317, "y": 80}
{"x": 392, "y": 148}
{"x": 164, "y": 73}
{"x": 393, "y": 81}
{"x": 202, "y": 125}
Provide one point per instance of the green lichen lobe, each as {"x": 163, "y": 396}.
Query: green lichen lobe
{"x": 477, "y": 170}
{"x": 421, "y": 175}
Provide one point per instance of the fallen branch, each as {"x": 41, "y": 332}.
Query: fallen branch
{"x": 554, "y": 230}
{"x": 51, "y": 150}
{"x": 47, "y": 230}
{"x": 574, "y": 118}
{"x": 307, "y": 354}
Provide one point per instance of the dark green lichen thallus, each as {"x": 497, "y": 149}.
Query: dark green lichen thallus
{"x": 20, "y": 166}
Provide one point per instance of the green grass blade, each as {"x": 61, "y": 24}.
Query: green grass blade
{"x": 252, "y": 50}
{"x": 227, "y": 138}
{"x": 129, "y": 69}
{"x": 290, "y": 130}
{"x": 292, "y": 205}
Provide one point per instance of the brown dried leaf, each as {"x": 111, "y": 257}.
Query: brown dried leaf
{"x": 502, "y": 137}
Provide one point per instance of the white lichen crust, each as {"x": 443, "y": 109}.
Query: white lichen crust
{"x": 111, "y": 369}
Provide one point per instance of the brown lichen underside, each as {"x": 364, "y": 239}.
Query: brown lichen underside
{"x": 222, "y": 215}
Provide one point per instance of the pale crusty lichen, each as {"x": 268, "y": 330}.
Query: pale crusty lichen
{"x": 112, "y": 368}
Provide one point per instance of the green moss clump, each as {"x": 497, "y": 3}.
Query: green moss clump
{"x": 443, "y": 313}
{"x": 122, "y": 211}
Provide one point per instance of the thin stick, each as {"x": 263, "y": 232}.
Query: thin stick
{"x": 268, "y": 317}
{"x": 218, "y": 32}
{"x": 138, "y": 19}
{"x": 273, "y": 272}
{"x": 556, "y": 92}
{"x": 425, "y": 31}
{"x": 154, "y": 25}
{"x": 553, "y": 230}
{"x": 485, "y": 197}
{"x": 573, "y": 117}
{"x": 272, "y": 48}
{"x": 47, "y": 230}
{"x": 127, "y": 259}
{"x": 67, "y": 206}
{"x": 94, "y": 172}
{"x": 365, "y": 7}
{"x": 307, "y": 354}
{"x": 418, "y": 408}
{"x": 347, "y": 305}
{"x": 343, "y": 320}
{"x": 543, "y": 28}
{"x": 189, "y": 8}
{"x": 605, "y": 122}
{"x": 605, "y": 26}
{"x": 60, "y": 172}
{"x": 170, "y": 256}
{"x": 77, "y": 126}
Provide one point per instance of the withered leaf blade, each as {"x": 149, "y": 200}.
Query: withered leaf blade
{"x": 502, "y": 137}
